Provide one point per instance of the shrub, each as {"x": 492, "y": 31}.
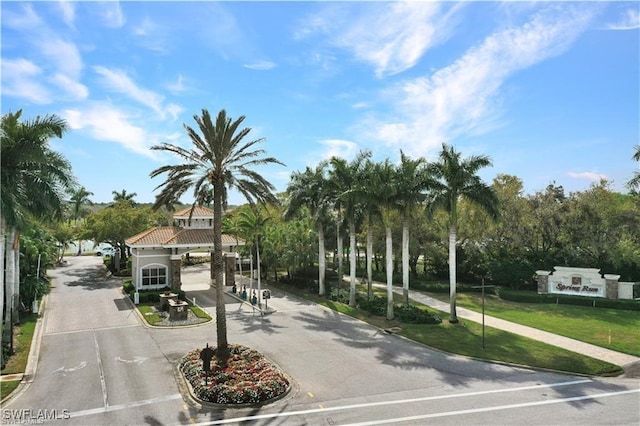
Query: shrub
{"x": 248, "y": 377}
{"x": 596, "y": 302}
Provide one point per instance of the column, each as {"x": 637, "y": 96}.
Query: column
{"x": 611, "y": 286}
{"x": 543, "y": 281}
{"x": 176, "y": 265}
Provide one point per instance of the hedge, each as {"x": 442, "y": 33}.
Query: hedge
{"x": 596, "y": 302}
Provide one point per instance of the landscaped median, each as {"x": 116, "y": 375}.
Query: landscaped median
{"x": 163, "y": 308}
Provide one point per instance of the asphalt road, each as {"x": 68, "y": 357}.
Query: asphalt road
{"x": 98, "y": 365}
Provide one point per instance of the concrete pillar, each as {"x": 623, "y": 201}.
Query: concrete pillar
{"x": 176, "y": 279}
{"x": 543, "y": 281}
{"x": 611, "y": 286}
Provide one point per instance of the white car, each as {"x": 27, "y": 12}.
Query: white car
{"x": 106, "y": 251}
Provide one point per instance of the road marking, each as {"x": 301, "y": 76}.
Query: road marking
{"x": 101, "y": 370}
{"x": 63, "y": 370}
{"x": 137, "y": 359}
{"x": 394, "y": 402}
{"x": 100, "y": 410}
{"x": 487, "y": 409}
{"x": 57, "y": 333}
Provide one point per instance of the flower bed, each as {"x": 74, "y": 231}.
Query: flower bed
{"x": 248, "y": 377}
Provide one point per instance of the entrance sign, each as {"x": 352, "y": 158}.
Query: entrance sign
{"x": 586, "y": 282}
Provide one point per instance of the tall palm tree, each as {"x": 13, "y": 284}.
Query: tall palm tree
{"x": 456, "y": 178}
{"x": 222, "y": 159}
{"x": 346, "y": 178}
{"x": 309, "y": 189}
{"x": 79, "y": 198}
{"x": 124, "y": 196}
{"x": 369, "y": 198}
{"x": 34, "y": 181}
{"x": 412, "y": 182}
{"x": 384, "y": 178}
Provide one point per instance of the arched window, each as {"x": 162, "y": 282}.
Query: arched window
{"x": 154, "y": 275}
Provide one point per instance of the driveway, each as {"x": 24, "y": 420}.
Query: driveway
{"x": 100, "y": 365}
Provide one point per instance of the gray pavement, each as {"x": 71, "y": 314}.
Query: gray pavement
{"x": 197, "y": 278}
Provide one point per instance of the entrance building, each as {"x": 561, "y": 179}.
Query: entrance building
{"x": 157, "y": 252}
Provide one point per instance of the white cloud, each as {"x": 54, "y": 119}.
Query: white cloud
{"x": 28, "y": 20}
{"x": 111, "y": 13}
{"x": 462, "y": 98}
{"x": 338, "y": 148}
{"x": 118, "y": 81}
{"x": 630, "y": 20}
{"x": 21, "y": 79}
{"x": 260, "y": 65}
{"x": 63, "y": 54}
{"x": 78, "y": 91}
{"x": 392, "y": 36}
{"x": 590, "y": 176}
{"x": 178, "y": 86}
{"x": 107, "y": 123}
{"x": 68, "y": 12}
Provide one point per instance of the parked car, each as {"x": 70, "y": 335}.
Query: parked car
{"x": 106, "y": 251}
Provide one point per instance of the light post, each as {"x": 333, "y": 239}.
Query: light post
{"x": 483, "y": 287}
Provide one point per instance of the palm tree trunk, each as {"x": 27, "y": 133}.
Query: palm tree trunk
{"x": 389, "y": 256}
{"x": 369, "y": 261}
{"x": 3, "y": 242}
{"x": 452, "y": 273}
{"x": 352, "y": 264}
{"x": 322, "y": 261}
{"x": 222, "y": 353}
{"x": 405, "y": 261}
{"x": 10, "y": 276}
{"x": 340, "y": 252}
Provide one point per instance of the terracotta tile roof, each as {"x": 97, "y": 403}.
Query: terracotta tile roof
{"x": 198, "y": 211}
{"x": 168, "y": 236}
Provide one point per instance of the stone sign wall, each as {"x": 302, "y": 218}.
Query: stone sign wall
{"x": 580, "y": 282}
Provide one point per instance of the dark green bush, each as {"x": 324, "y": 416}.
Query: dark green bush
{"x": 596, "y": 302}
{"x": 414, "y": 315}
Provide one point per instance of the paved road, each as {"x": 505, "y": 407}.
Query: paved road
{"x": 102, "y": 365}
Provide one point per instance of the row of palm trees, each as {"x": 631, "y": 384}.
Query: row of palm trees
{"x": 362, "y": 191}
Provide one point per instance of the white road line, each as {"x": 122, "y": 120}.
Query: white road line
{"x": 56, "y": 333}
{"x": 105, "y": 409}
{"x": 393, "y": 402}
{"x": 101, "y": 370}
{"x": 486, "y": 409}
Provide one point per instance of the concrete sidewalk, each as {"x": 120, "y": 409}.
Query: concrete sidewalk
{"x": 630, "y": 363}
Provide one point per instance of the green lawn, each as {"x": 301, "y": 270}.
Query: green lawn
{"x": 613, "y": 329}
{"x": 465, "y": 338}
{"x": 17, "y": 363}
{"x": 150, "y": 315}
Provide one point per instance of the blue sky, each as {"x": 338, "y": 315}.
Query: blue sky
{"x": 549, "y": 90}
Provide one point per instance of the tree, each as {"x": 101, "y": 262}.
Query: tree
{"x": 79, "y": 198}
{"x": 411, "y": 180}
{"x": 222, "y": 159}
{"x": 34, "y": 181}
{"x": 309, "y": 190}
{"x": 124, "y": 196}
{"x": 456, "y": 178}
{"x": 384, "y": 178}
{"x": 634, "y": 183}
{"x": 118, "y": 222}
{"x": 346, "y": 183}
{"x": 369, "y": 193}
